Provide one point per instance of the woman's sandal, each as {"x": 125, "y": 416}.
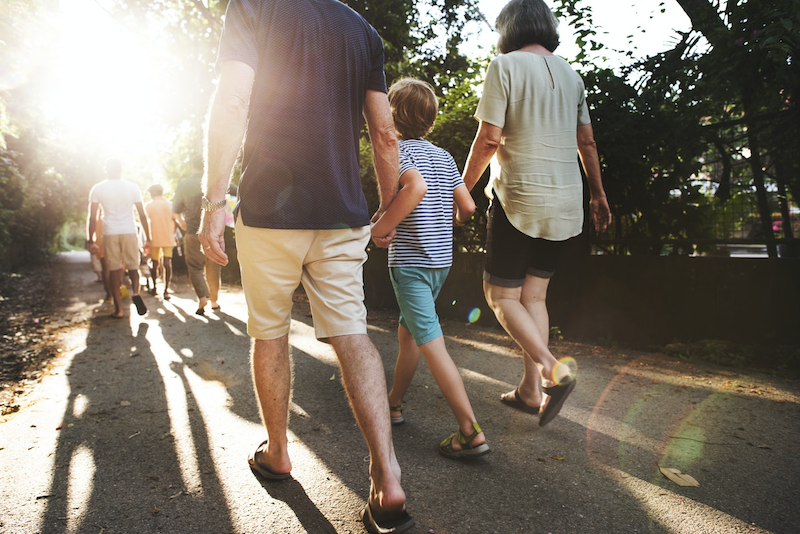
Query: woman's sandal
{"x": 400, "y": 419}
{"x": 467, "y": 451}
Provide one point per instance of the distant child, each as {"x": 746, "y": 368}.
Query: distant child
{"x": 420, "y": 256}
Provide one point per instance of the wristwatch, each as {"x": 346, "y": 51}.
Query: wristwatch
{"x": 207, "y": 205}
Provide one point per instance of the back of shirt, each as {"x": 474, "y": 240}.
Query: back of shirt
{"x": 314, "y": 61}
{"x": 117, "y": 198}
{"x": 425, "y": 237}
{"x": 162, "y": 225}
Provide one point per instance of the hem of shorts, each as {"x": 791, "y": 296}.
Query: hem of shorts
{"x": 541, "y": 273}
{"x": 361, "y": 330}
{"x": 502, "y": 282}
{"x": 431, "y": 337}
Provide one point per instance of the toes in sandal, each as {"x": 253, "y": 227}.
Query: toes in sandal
{"x": 467, "y": 451}
{"x": 399, "y": 420}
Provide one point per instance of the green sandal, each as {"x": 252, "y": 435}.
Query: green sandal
{"x": 467, "y": 451}
{"x": 400, "y": 419}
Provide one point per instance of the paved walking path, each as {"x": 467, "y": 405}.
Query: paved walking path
{"x": 144, "y": 426}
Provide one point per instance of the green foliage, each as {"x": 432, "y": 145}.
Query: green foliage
{"x": 31, "y": 210}
{"x": 677, "y": 128}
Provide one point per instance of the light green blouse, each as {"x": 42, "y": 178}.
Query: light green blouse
{"x": 536, "y": 175}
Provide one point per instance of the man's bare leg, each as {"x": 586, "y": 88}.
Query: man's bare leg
{"x": 272, "y": 379}
{"x": 115, "y": 278}
{"x": 365, "y": 383}
{"x": 167, "y": 275}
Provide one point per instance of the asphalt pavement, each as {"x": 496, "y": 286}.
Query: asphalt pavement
{"x": 144, "y": 426}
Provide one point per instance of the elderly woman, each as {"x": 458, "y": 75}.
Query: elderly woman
{"x": 534, "y": 118}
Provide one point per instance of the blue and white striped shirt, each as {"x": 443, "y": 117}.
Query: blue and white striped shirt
{"x": 425, "y": 237}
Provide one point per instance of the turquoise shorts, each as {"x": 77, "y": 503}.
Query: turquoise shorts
{"x": 416, "y": 289}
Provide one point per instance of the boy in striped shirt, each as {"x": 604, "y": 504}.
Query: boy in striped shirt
{"x": 418, "y": 229}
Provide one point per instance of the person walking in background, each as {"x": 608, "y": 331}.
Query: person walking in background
{"x": 99, "y": 257}
{"x": 162, "y": 228}
{"x": 203, "y": 273}
{"x": 118, "y": 198}
{"x": 420, "y": 257}
{"x": 534, "y": 117}
{"x": 299, "y": 77}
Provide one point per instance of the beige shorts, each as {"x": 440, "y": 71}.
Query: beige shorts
{"x": 329, "y": 263}
{"x": 156, "y": 252}
{"x": 121, "y": 251}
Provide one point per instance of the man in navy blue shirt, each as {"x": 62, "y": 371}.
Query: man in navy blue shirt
{"x": 299, "y": 77}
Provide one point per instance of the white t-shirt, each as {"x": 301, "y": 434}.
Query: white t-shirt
{"x": 536, "y": 176}
{"x": 118, "y": 198}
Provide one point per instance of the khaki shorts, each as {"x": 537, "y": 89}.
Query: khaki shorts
{"x": 121, "y": 251}
{"x": 329, "y": 263}
{"x": 156, "y": 252}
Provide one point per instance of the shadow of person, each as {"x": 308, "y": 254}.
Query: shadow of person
{"x": 292, "y": 493}
{"x": 217, "y": 349}
{"x": 116, "y": 464}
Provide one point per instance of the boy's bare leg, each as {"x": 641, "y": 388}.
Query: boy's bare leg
{"x": 407, "y": 361}
{"x": 445, "y": 371}
{"x": 272, "y": 379}
{"x": 365, "y": 384}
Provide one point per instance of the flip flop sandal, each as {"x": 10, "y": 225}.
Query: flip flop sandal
{"x": 558, "y": 394}
{"x": 467, "y": 451}
{"x": 390, "y": 524}
{"x": 141, "y": 309}
{"x": 263, "y": 471}
{"x": 518, "y": 404}
{"x": 399, "y": 420}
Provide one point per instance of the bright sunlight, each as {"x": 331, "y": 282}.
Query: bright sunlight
{"x": 104, "y": 90}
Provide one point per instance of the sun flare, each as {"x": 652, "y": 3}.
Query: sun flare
{"x": 102, "y": 85}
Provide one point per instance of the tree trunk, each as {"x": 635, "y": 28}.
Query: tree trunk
{"x": 764, "y": 211}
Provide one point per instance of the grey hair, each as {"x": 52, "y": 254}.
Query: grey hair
{"x": 525, "y": 22}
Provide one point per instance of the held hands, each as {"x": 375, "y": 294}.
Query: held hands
{"x": 212, "y": 236}
{"x": 381, "y": 241}
{"x": 601, "y": 214}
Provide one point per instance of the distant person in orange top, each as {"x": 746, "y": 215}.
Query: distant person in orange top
{"x": 162, "y": 230}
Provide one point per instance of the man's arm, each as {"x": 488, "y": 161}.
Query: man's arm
{"x": 144, "y": 220}
{"x": 226, "y": 127}
{"x": 487, "y": 139}
{"x": 587, "y": 149}
{"x": 91, "y": 226}
{"x": 384, "y": 146}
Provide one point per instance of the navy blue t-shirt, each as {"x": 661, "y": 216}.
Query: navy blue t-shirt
{"x": 314, "y": 61}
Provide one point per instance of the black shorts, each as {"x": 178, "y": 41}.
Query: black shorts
{"x": 512, "y": 255}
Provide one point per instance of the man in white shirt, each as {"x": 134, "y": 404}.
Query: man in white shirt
{"x": 118, "y": 198}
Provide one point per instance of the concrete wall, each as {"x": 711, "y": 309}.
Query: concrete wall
{"x": 638, "y": 299}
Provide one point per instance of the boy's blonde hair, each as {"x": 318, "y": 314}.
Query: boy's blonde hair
{"x": 414, "y": 107}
